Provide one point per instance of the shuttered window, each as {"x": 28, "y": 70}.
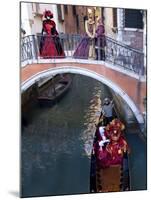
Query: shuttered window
{"x": 74, "y": 10}
{"x": 59, "y": 12}
{"x": 114, "y": 17}
{"x": 133, "y": 19}
{"x": 77, "y": 22}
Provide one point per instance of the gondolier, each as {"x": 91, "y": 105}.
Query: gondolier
{"x": 107, "y": 110}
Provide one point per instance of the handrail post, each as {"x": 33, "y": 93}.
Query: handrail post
{"x": 36, "y": 47}
{"x": 99, "y": 48}
{"x": 32, "y": 45}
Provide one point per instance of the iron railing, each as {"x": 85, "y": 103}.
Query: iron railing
{"x": 112, "y": 51}
{"x": 124, "y": 56}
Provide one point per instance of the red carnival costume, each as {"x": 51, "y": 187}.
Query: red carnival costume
{"x": 111, "y": 151}
{"x": 50, "y": 46}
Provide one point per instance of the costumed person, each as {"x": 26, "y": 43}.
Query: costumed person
{"x": 99, "y": 148}
{"x": 107, "y": 110}
{"x": 100, "y": 40}
{"x": 50, "y": 45}
{"x": 112, "y": 150}
{"x": 86, "y": 47}
{"x": 118, "y": 145}
{"x": 99, "y": 135}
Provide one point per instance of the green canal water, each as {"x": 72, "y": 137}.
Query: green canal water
{"x": 55, "y": 145}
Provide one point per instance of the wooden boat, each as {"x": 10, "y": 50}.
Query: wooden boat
{"x": 53, "y": 90}
{"x": 114, "y": 178}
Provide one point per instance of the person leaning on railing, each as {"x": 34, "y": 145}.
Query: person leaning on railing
{"x": 50, "y": 46}
{"x": 100, "y": 40}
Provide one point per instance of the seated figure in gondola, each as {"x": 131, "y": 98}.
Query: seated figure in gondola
{"x": 50, "y": 46}
{"x": 99, "y": 146}
{"x": 111, "y": 149}
{"x": 118, "y": 145}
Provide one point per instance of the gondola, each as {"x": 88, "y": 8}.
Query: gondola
{"x": 53, "y": 90}
{"x": 113, "y": 178}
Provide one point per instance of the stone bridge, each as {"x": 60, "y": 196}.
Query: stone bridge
{"x": 131, "y": 87}
{"x": 123, "y": 69}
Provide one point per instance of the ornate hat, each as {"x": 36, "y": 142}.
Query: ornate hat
{"x": 90, "y": 10}
{"x": 114, "y": 128}
{"x": 116, "y": 122}
{"x": 48, "y": 13}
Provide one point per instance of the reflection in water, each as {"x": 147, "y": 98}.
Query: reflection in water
{"x": 57, "y": 143}
{"x": 90, "y": 118}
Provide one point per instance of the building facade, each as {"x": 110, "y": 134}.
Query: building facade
{"x": 125, "y": 25}
{"x": 32, "y": 17}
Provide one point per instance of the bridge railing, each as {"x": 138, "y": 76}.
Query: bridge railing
{"x": 28, "y": 50}
{"x": 76, "y": 46}
{"x": 124, "y": 56}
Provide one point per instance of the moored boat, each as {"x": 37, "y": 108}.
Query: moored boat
{"x": 53, "y": 90}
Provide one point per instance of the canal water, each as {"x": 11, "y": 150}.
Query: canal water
{"x": 55, "y": 145}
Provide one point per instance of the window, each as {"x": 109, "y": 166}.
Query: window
{"x": 37, "y": 7}
{"x": 66, "y": 9}
{"x": 32, "y": 6}
{"x": 114, "y": 17}
{"x": 133, "y": 18}
{"x": 102, "y": 15}
{"x": 74, "y": 10}
{"x": 59, "y": 12}
{"x": 77, "y": 22}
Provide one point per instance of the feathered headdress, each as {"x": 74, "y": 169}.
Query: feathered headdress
{"x": 114, "y": 128}
{"x": 118, "y": 124}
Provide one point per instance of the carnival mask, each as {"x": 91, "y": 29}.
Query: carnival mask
{"x": 48, "y": 14}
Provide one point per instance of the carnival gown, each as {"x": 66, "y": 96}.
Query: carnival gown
{"x": 82, "y": 50}
{"x": 100, "y": 42}
{"x": 50, "y": 45}
{"x": 111, "y": 153}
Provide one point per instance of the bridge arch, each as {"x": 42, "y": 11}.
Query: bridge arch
{"x": 77, "y": 70}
